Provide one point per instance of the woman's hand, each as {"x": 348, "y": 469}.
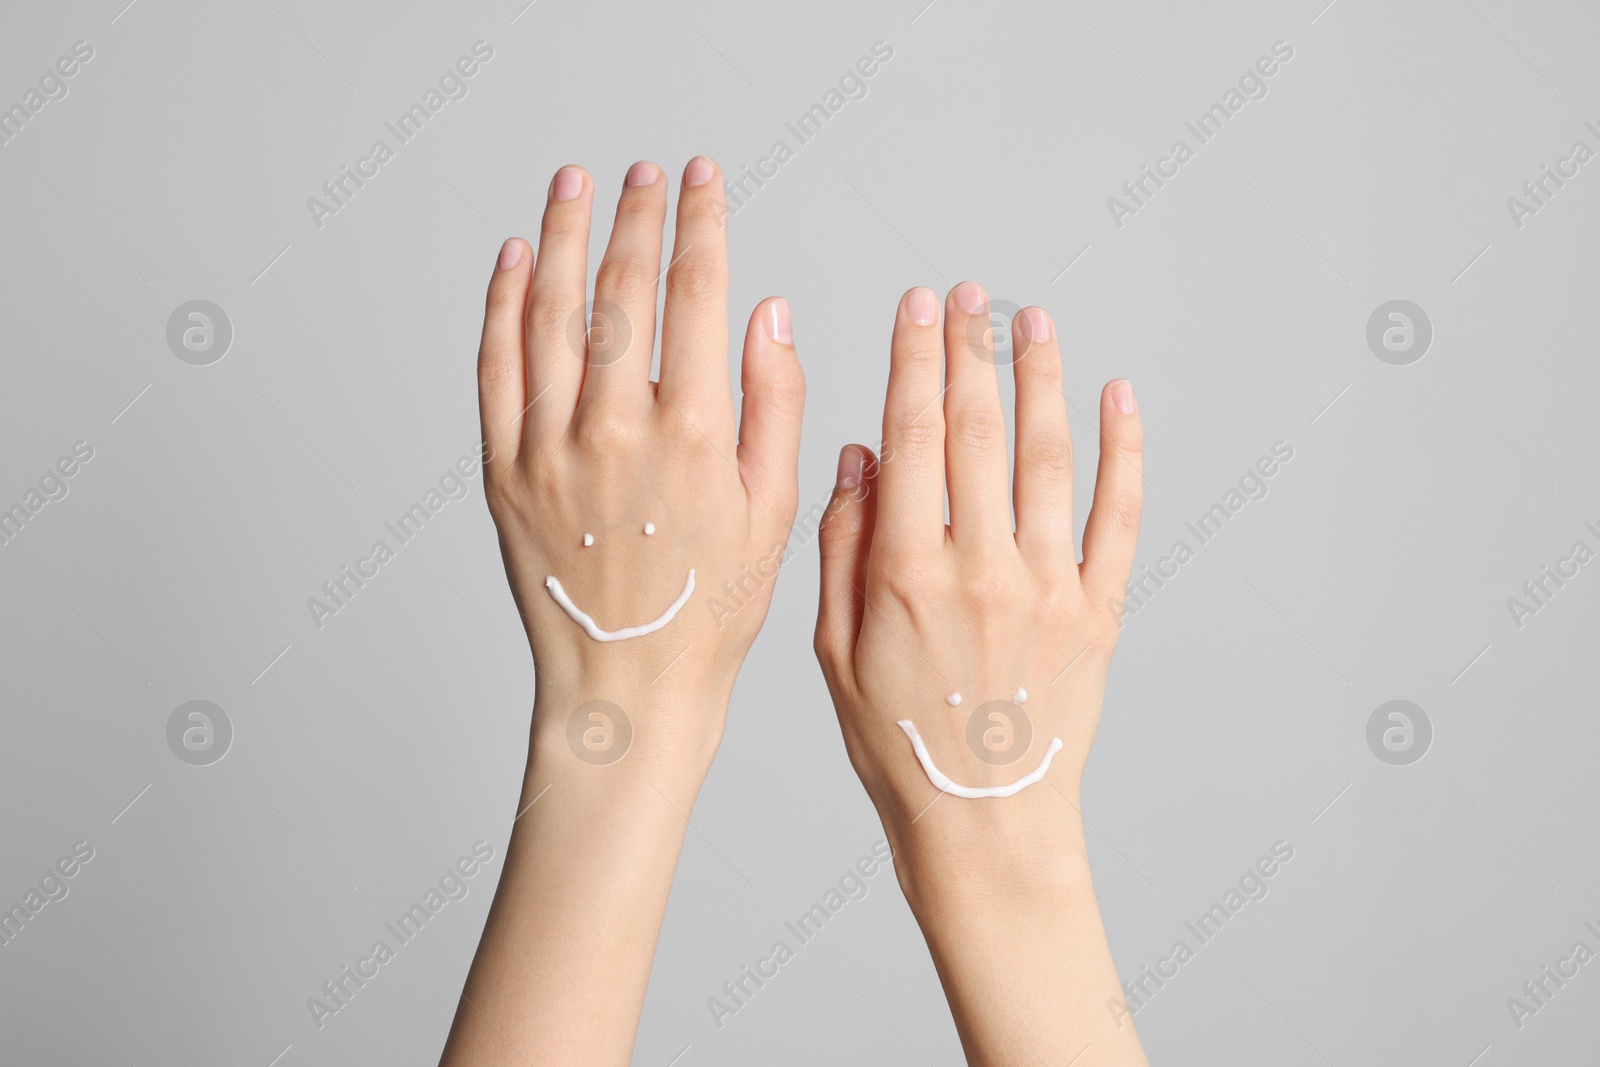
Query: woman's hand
{"x": 915, "y": 611}
{"x": 619, "y": 489}
{"x": 588, "y": 454}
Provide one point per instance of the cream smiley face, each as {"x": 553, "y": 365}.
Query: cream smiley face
{"x": 590, "y": 627}
{"x": 945, "y": 784}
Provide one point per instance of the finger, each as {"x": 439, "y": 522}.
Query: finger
{"x": 975, "y": 423}
{"x": 1042, "y": 484}
{"x": 912, "y": 515}
{"x": 1112, "y": 532}
{"x": 844, "y": 541}
{"x": 622, "y": 331}
{"x": 694, "y": 324}
{"x": 769, "y": 424}
{"x": 502, "y": 375}
{"x": 556, "y": 323}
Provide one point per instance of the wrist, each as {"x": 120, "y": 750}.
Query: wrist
{"x": 610, "y": 727}
{"x": 1002, "y": 852}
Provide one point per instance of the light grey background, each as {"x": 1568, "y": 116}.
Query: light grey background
{"x": 370, "y": 754}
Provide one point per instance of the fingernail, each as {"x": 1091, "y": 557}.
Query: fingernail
{"x": 568, "y": 184}
{"x": 642, "y": 173}
{"x": 1122, "y": 397}
{"x": 922, "y": 306}
{"x": 970, "y": 297}
{"x": 779, "y": 326}
{"x": 510, "y": 254}
{"x": 850, "y": 467}
{"x": 699, "y": 171}
{"x": 1035, "y": 325}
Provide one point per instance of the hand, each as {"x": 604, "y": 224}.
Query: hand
{"x": 584, "y": 445}
{"x": 914, "y": 611}
{"x": 580, "y": 441}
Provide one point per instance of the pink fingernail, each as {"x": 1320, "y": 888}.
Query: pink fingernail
{"x": 779, "y": 326}
{"x": 699, "y": 171}
{"x": 922, "y": 307}
{"x": 970, "y": 297}
{"x": 1035, "y": 325}
{"x": 851, "y": 464}
{"x": 642, "y": 173}
{"x": 510, "y": 254}
{"x": 568, "y": 184}
{"x": 1122, "y": 396}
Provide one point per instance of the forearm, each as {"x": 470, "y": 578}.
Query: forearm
{"x": 1009, "y": 914}
{"x": 565, "y": 958}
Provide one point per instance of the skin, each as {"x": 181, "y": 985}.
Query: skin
{"x": 580, "y": 440}
{"x": 913, "y": 609}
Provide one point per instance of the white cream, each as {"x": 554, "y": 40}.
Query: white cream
{"x": 942, "y": 782}
{"x": 1020, "y": 696}
{"x": 649, "y": 529}
{"x": 953, "y": 699}
{"x": 560, "y": 596}
{"x": 588, "y": 539}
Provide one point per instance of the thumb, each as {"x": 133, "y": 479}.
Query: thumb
{"x": 845, "y": 540}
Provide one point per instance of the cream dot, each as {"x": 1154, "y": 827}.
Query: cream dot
{"x": 588, "y": 539}
{"x": 649, "y": 529}
{"x": 953, "y": 699}
{"x": 1020, "y": 696}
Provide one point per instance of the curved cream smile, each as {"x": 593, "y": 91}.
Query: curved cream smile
{"x": 560, "y": 596}
{"x": 942, "y": 782}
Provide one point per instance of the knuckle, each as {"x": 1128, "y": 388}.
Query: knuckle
{"x": 978, "y": 428}
{"x": 497, "y": 369}
{"x": 549, "y": 318}
{"x": 540, "y": 470}
{"x": 983, "y": 590}
{"x": 504, "y": 299}
{"x": 604, "y": 432}
{"x": 683, "y": 426}
{"x": 1128, "y": 438}
{"x": 1047, "y": 455}
{"x": 917, "y": 437}
{"x": 695, "y": 281}
{"x": 1038, "y": 363}
{"x": 560, "y": 230}
{"x": 787, "y": 387}
{"x": 907, "y": 576}
{"x": 703, "y": 211}
{"x": 1126, "y": 509}
{"x": 784, "y": 502}
{"x": 623, "y": 279}
{"x": 840, "y": 531}
{"x": 826, "y": 648}
{"x": 642, "y": 207}
{"x": 508, "y": 483}
{"x": 917, "y": 358}
{"x": 562, "y": 224}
